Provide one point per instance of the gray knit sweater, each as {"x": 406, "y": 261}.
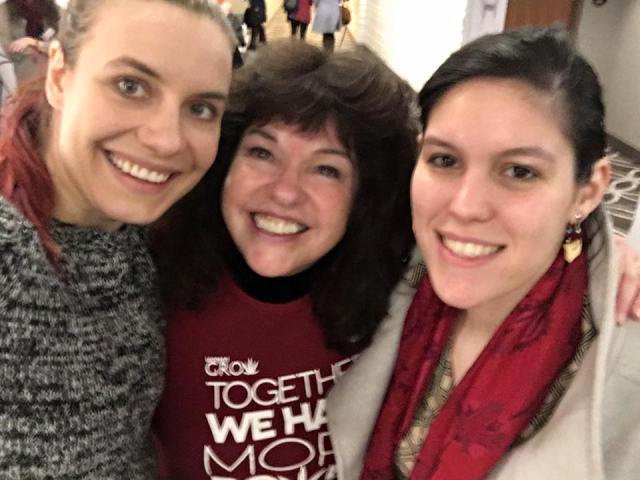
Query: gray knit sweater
{"x": 81, "y": 354}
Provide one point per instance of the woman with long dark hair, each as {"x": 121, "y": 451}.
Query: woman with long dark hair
{"x": 510, "y": 364}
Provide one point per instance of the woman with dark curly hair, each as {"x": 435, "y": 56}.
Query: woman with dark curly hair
{"x": 289, "y": 249}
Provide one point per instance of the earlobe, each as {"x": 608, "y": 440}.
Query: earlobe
{"x": 590, "y": 193}
{"x": 54, "y": 85}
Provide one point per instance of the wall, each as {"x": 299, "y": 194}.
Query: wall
{"x": 274, "y": 7}
{"x": 609, "y": 37}
{"x": 413, "y": 36}
{"x": 355, "y": 26}
{"x": 483, "y": 17}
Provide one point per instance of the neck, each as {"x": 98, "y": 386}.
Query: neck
{"x": 65, "y": 213}
{"x": 476, "y": 326}
{"x": 483, "y": 322}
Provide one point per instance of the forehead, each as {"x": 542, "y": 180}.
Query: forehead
{"x": 326, "y": 131}
{"x": 157, "y": 33}
{"x": 500, "y": 112}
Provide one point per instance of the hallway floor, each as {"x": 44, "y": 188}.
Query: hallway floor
{"x": 622, "y": 197}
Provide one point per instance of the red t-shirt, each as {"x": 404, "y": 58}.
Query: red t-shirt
{"x": 245, "y": 389}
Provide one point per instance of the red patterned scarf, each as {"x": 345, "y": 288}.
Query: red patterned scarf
{"x": 499, "y": 394}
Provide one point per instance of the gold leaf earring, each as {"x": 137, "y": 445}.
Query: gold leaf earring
{"x": 572, "y": 245}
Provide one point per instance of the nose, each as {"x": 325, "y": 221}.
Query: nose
{"x": 472, "y": 198}
{"x": 162, "y": 130}
{"x": 287, "y": 188}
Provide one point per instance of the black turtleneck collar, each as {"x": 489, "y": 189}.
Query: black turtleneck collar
{"x": 270, "y": 289}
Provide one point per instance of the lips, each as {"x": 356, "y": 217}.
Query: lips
{"x": 137, "y": 171}
{"x": 276, "y": 225}
{"x": 468, "y": 249}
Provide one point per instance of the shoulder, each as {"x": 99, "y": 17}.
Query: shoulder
{"x": 20, "y": 250}
{"x": 12, "y": 223}
{"x": 620, "y": 408}
{"x": 623, "y": 360}
{"x": 16, "y": 232}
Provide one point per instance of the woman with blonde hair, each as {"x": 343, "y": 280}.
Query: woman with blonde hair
{"x": 125, "y": 123}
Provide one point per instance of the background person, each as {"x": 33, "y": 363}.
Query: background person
{"x": 301, "y": 18}
{"x": 327, "y": 22}
{"x": 254, "y": 17}
{"x": 125, "y": 124}
{"x": 8, "y": 81}
{"x": 28, "y": 27}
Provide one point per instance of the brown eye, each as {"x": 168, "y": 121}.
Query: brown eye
{"x": 328, "y": 171}
{"x": 203, "y": 111}
{"x": 520, "y": 172}
{"x": 442, "y": 161}
{"x": 260, "y": 153}
{"x": 131, "y": 87}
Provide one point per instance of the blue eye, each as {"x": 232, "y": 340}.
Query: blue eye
{"x": 203, "y": 111}
{"x": 442, "y": 161}
{"x": 131, "y": 87}
{"x": 520, "y": 172}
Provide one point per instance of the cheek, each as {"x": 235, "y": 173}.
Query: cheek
{"x": 238, "y": 190}
{"x": 541, "y": 231}
{"x": 336, "y": 206}
{"x": 425, "y": 195}
{"x": 206, "y": 148}
{"x": 541, "y": 215}
{"x": 226, "y": 200}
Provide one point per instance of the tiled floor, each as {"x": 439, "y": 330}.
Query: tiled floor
{"x": 622, "y": 197}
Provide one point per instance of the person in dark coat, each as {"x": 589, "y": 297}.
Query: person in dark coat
{"x": 254, "y": 17}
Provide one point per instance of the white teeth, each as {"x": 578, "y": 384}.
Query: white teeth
{"x": 138, "y": 171}
{"x": 277, "y": 226}
{"x": 466, "y": 249}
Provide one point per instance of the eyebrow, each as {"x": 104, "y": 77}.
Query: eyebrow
{"x": 135, "y": 64}
{"x": 334, "y": 151}
{"x": 268, "y": 136}
{"x": 259, "y": 131}
{"x": 147, "y": 70}
{"x": 431, "y": 140}
{"x": 525, "y": 151}
{"x": 528, "y": 152}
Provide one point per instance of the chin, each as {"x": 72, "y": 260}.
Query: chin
{"x": 457, "y": 298}
{"x": 271, "y": 269}
{"x": 133, "y": 217}
{"x": 270, "y": 272}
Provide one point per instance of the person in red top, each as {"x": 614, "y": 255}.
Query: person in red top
{"x": 301, "y": 18}
{"x": 288, "y": 250}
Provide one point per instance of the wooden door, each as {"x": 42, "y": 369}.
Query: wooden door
{"x": 521, "y": 13}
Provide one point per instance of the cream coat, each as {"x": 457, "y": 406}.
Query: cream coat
{"x": 594, "y": 434}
